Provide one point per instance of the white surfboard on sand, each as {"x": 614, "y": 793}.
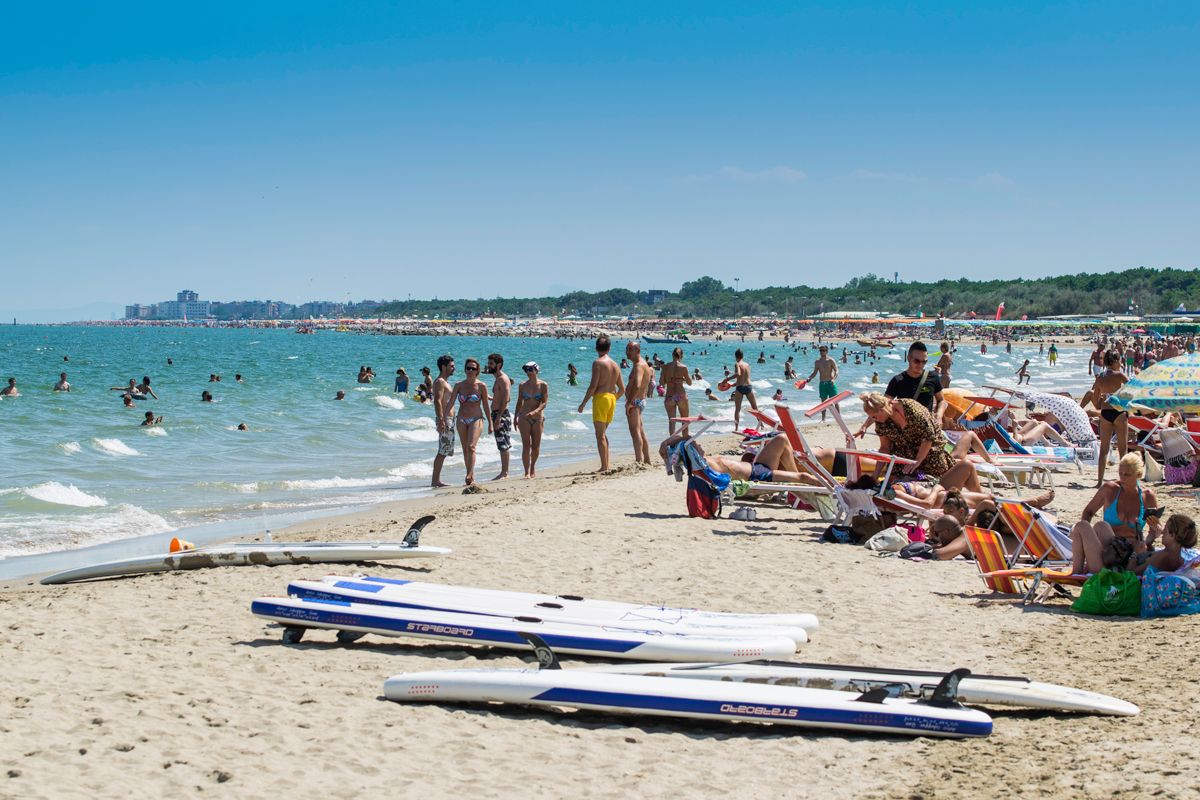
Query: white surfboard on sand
{"x": 256, "y": 553}
{"x": 353, "y": 620}
{"x": 726, "y": 701}
{"x": 976, "y": 689}
{"x": 465, "y": 599}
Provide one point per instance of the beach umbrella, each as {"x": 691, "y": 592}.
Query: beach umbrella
{"x": 1076, "y": 426}
{"x": 1171, "y": 385}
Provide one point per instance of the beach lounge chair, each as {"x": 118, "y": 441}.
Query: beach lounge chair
{"x": 1040, "y": 539}
{"x": 987, "y": 548}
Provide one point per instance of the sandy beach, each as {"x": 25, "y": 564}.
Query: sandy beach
{"x": 165, "y": 685}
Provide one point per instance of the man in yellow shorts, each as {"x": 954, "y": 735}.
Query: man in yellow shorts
{"x": 603, "y": 391}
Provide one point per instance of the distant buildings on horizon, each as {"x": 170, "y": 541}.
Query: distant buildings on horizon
{"x": 187, "y": 304}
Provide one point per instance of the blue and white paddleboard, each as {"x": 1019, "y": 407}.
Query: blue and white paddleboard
{"x": 466, "y": 599}
{"x": 976, "y": 689}
{"x": 297, "y": 614}
{"x": 671, "y": 697}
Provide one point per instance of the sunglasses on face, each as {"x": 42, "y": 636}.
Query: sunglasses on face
{"x": 472, "y": 369}
{"x": 919, "y": 360}
{"x": 530, "y": 369}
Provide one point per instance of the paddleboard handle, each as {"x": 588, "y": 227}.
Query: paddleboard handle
{"x": 946, "y": 693}
{"x": 413, "y": 537}
{"x": 545, "y": 656}
{"x": 569, "y": 597}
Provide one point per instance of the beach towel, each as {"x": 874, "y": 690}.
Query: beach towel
{"x": 1165, "y": 594}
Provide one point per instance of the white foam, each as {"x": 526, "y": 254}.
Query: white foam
{"x": 417, "y": 469}
{"x": 156, "y": 431}
{"x": 336, "y": 483}
{"x": 50, "y": 532}
{"x": 574, "y": 425}
{"x": 54, "y": 492}
{"x": 114, "y": 446}
{"x": 421, "y": 435}
{"x": 762, "y": 384}
{"x": 69, "y": 447}
{"x": 389, "y": 402}
{"x": 699, "y": 386}
{"x": 289, "y": 358}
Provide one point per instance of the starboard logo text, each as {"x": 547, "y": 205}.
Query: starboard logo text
{"x": 446, "y": 630}
{"x": 758, "y": 711}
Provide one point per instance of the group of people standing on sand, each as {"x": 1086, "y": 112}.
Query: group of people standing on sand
{"x": 463, "y": 409}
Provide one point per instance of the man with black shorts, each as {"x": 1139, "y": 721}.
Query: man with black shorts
{"x": 501, "y": 419}
{"x": 915, "y": 383}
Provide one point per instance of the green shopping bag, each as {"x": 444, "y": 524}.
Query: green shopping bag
{"x": 1110, "y": 594}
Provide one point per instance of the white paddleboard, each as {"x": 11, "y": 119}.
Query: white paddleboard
{"x": 977, "y": 689}
{"x": 296, "y": 614}
{"x": 668, "y": 697}
{"x": 249, "y": 554}
{"x": 360, "y": 591}
{"x": 439, "y": 597}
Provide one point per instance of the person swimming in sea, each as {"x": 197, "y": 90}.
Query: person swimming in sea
{"x": 340, "y": 395}
{"x": 241, "y": 425}
{"x": 128, "y": 401}
{"x": 206, "y": 396}
{"x": 401, "y": 381}
{"x": 150, "y": 420}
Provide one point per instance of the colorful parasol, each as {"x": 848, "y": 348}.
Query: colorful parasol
{"x": 1171, "y": 385}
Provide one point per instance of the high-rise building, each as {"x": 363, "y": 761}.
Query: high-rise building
{"x": 187, "y": 296}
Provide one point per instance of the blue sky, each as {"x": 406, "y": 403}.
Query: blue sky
{"x": 323, "y": 151}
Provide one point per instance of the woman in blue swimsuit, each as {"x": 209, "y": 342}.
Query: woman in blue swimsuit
{"x": 1125, "y": 503}
{"x": 472, "y": 397}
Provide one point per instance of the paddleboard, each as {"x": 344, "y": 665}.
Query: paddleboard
{"x": 670, "y": 697}
{"x": 372, "y": 592}
{"x": 296, "y": 615}
{"x": 254, "y": 553}
{"x": 441, "y": 597}
{"x": 916, "y": 684}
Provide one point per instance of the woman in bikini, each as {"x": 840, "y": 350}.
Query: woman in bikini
{"x": 530, "y": 416}
{"x": 1125, "y": 503}
{"x": 674, "y": 376}
{"x": 944, "y": 364}
{"x": 472, "y": 396}
{"x": 1112, "y": 420}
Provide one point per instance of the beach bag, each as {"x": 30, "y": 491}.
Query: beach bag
{"x": 703, "y": 499}
{"x": 838, "y": 534}
{"x": 918, "y": 550}
{"x": 1184, "y": 475}
{"x": 865, "y": 527}
{"x": 888, "y": 540}
{"x": 1165, "y": 594}
{"x": 1110, "y": 594}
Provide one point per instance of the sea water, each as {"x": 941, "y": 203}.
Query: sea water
{"x": 76, "y": 469}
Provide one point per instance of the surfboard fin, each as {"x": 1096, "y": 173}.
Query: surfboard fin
{"x": 946, "y": 693}
{"x": 413, "y": 537}
{"x": 874, "y": 696}
{"x": 545, "y": 656}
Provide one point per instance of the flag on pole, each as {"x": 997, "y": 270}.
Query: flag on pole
{"x": 999, "y": 310}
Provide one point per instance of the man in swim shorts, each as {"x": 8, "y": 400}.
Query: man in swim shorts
{"x": 742, "y": 388}
{"x": 443, "y": 413}
{"x": 606, "y": 386}
{"x": 501, "y": 419}
{"x": 827, "y": 368}
{"x": 640, "y": 376}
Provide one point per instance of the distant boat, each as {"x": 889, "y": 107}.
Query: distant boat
{"x": 666, "y": 340}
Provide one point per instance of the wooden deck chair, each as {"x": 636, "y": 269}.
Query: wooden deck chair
{"x": 1037, "y": 536}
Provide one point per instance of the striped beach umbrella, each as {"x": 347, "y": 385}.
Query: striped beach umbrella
{"x": 1171, "y": 385}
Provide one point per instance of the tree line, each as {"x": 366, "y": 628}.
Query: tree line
{"x": 1145, "y": 291}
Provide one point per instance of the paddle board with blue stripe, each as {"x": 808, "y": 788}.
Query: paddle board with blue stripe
{"x": 976, "y": 689}
{"x": 354, "y": 619}
{"x": 725, "y": 701}
{"x": 466, "y": 599}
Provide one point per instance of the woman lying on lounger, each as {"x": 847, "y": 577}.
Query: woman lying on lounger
{"x": 775, "y": 462}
